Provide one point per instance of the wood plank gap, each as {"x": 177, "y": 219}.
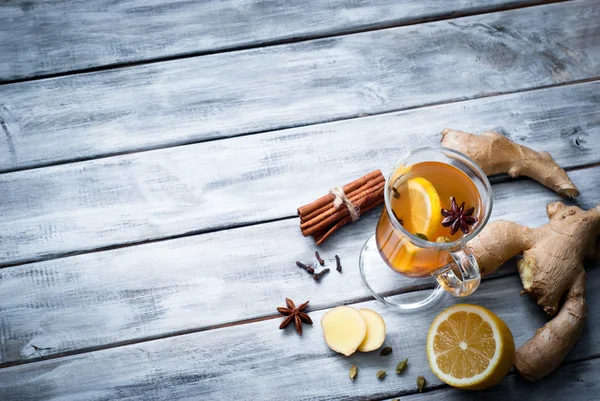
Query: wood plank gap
{"x": 128, "y": 109}
{"x": 148, "y": 241}
{"x": 177, "y": 333}
{"x": 117, "y": 344}
{"x": 512, "y": 372}
{"x": 176, "y": 144}
{"x": 148, "y": 354}
{"x": 426, "y": 390}
{"x": 278, "y": 42}
{"x": 575, "y": 168}
{"x": 497, "y": 179}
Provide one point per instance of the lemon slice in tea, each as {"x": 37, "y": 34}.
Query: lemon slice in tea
{"x": 424, "y": 216}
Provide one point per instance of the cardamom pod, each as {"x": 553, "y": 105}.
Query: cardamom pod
{"x": 401, "y": 366}
{"x": 421, "y": 383}
{"x": 381, "y": 374}
{"x": 386, "y": 351}
{"x": 422, "y": 236}
{"x": 353, "y": 372}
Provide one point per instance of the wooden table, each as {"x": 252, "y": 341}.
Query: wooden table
{"x": 153, "y": 155}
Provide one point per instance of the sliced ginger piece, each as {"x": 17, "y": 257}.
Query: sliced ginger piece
{"x": 344, "y": 329}
{"x": 375, "y": 331}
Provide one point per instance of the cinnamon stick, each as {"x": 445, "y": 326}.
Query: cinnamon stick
{"x": 322, "y": 236}
{"x": 321, "y": 218}
{"x": 326, "y": 199}
{"x": 342, "y": 212}
{"x": 332, "y": 210}
{"x": 351, "y": 195}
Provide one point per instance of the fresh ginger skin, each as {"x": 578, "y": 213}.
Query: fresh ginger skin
{"x": 551, "y": 272}
{"x": 515, "y": 159}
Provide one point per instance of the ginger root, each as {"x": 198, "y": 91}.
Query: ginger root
{"x": 552, "y": 273}
{"x": 347, "y": 330}
{"x": 344, "y": 329}
{"x": 497, "y": 154}
{"x": 375, "y": 331}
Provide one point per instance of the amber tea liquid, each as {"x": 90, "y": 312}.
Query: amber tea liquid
{"x": 396, "y": 248}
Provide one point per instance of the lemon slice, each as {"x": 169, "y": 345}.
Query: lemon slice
{"x": 469, "y": 347}
{"x": 425, "y": 215}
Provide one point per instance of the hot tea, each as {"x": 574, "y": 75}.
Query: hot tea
{"x": 433, "y": 201}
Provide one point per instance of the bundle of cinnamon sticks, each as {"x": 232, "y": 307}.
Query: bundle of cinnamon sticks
{"x": 325, "y": 216}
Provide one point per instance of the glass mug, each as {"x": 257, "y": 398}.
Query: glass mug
{"x": 396, "y": 260}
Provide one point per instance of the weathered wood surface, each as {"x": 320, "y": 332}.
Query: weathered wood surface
{"x": 170, "y": 299}
{"x": 228, "y": 94}
{"x": 40, "y": 38}
{"x": 258, "y": 361}
{"x": 574, "y": 381}
{"x": 206, "y": 280}
{"x": 150, "y": 195}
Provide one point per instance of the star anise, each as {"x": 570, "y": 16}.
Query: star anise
{"x": 294, "y": 315}
{"x": 457, "y": 217}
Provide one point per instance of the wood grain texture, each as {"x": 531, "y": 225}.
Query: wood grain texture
{"x": 228, "y": 94}
{"x": 218, "y": 184}
{"x": 578, "y": 380}
{"x": 258, "y": 361}
{"x": 58, "y": 36}
{"x": 206, "y": 280}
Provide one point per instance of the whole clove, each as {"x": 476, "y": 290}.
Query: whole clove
{"x": 321, "y": 261}
{"x": 308, "y": 268}
{"x": 320, "y": 274}
{"x": 337, "y": 262}
{"x": 398, "y": 218}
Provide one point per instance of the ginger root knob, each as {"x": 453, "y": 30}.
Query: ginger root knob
{"x": 551, "y": 272}
{"x": 497, "y": 154}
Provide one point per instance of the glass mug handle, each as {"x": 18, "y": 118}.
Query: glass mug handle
{"x": 466, "y": 265}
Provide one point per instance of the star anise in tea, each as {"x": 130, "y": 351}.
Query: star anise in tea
{"x": 294, "y": 314}
{"x": 458, "y": 218}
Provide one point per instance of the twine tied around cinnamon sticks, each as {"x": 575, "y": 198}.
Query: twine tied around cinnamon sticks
{"x": 341, "y": 206}
{"x": 339, "y": 198}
